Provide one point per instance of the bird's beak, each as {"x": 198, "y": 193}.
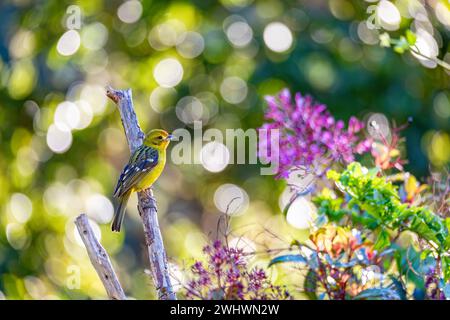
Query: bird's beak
{"x": 170, "y": 137}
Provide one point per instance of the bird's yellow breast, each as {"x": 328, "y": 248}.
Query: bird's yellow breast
{"x": 150, "y": 178}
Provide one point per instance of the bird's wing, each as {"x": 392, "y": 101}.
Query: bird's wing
{"x": 141, "y": 162}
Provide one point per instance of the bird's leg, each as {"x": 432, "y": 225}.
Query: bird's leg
{"x": 146, "y": 201}
{"x": 139, "y": 209}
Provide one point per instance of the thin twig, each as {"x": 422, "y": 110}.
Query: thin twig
{"x": 440, "y": 62}
{"x": 99, "y": 259}
{"x": 147, "y": 204}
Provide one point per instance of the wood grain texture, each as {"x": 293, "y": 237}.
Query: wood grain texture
{"x": 99, "y": 259}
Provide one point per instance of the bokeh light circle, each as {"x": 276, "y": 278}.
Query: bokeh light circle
{"x": 301, "y": 214}
{"x": 99, "y": 208}
{"x": 236, "y": 3}
{"x": 278, "y": 37}
{"x": 189, "y": 109}
{"x": 69, "y": 43}
{"x": 59, "y": 138}
{"x": 20, "y": 206}
{"x": 85, "y": 114}
{"x": 130, "y": 11}
{"x": 239, "y": 33}
{"x": 168, "y": 72}
{"x": 161, "y": 99}
{"x": 231, "y": 199}
{"x": 165, "y": 35}
{"x": 214, "y": 156}
{"x": 66, "y": 115}
{"x": 378, "y": 126}
{"x": 191, "y": 45}
{"x": 94, "y": 36}
{"x": 233, "y": 90}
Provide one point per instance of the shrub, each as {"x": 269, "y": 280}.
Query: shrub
{"x": 225, "y": 276}
{"x": 376, "y": 220}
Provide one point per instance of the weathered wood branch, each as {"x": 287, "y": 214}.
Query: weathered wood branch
{"x": 99, "y": 259}
{"x": 124, "y": 102}
{"x": 147, "y": 203}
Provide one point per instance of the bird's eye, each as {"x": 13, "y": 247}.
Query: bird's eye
{"x": 160, "y": 137}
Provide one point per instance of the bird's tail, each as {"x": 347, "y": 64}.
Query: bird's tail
{"x": 120, "y": 212}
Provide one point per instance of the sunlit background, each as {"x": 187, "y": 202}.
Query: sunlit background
{"x": 62, "y": 144}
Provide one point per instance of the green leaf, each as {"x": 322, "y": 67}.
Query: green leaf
{"x": 288, "y": 258}
{"x": 419, "y": 294}
{"x": 377, "y": 294}
{"x": 446, "y": 268}
{"x": 399, "y": 50}
{"x": 373, "y": 172}
{"x": 383, "y": 240}
{"x": 409, "y": 263}
{"x": 295, "y": 243}
{"x": 398, "y": 287}
{"x": 425, "y": 254}
{"x": 411, "y": 37}
{"x": 310, "y": 284}
{"x": 333, "y": 175}
{"x": 401, "y": 45}
{"x": 375, "y": 201}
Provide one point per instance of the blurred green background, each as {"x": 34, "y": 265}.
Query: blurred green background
{"x": 62, "y": 144}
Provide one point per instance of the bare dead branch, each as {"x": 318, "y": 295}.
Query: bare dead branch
{"x": 99, "y": 259}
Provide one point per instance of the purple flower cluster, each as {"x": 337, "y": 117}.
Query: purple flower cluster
{"x": 432, "y": 287}
{"x": 224, "y": 276}
{"x": 309, "y": 136}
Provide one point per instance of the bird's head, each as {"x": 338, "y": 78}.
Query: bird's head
{"x": 158, "y": 138}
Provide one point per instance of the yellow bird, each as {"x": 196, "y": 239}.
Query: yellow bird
{"x": 143, "y": 169}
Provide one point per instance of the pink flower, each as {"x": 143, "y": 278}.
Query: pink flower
{"x": 225, "y": 276}
{"x": 310, "y": 137}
